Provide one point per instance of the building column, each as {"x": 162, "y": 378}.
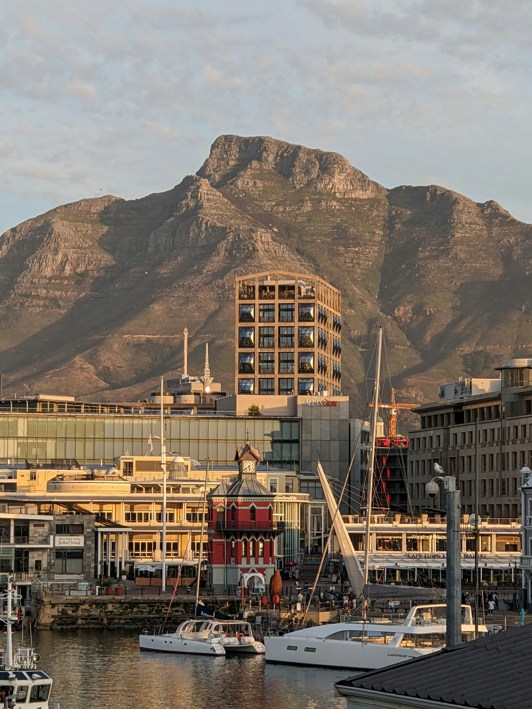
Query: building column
{"x": 108, "y": 551}
{"x": 118, "y": 554}
{"x": 98, "y": 554}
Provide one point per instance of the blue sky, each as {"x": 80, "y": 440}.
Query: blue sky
{"x": 126, "y": 97}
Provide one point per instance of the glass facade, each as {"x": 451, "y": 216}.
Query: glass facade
{"x": 95, "y": 439}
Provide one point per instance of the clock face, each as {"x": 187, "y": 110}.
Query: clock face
{"x": 248, "y": 466}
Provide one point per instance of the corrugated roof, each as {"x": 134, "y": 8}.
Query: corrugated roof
{"x": 248, "y": 486}
{"x": 488, "y": 673}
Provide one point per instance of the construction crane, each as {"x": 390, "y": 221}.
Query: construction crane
{"x": 393, "y": 407}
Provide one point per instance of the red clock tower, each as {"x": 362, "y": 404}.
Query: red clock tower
{"x": 241, "y": 528}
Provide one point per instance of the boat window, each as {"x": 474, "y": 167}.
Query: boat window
{"x": 22, "y": 693}
{"x": 432, "y": 640}
{"x": 5, "y": 691}
{"x": 372, "y": 636}
{"x": 310, "y": 649}
{"x": 40, "y": 692}
{"x": 292, "y": 647}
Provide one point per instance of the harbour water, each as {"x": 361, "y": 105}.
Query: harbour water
{"x": 106, "y": 670}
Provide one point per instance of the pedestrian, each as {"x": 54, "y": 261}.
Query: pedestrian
{"x": 491, "y": 606}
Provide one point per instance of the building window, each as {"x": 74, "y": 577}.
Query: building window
{"x": 68, "y": 562}
{"x": 286, "y": 312}
{"x": 69, "y": 528}
{"x": 306, "y": 363}
{"x": 252, "y": 513}
{"x": 266, "y": 337}
{"x": 266, "y": 312}
{"x": 306, "y": 337}
{"x": 194, "y": 514}
{"x": 287, "y": 291}
{"x": 246, "y": 386}
{"x": 246, "y": 313}
{"x": 267, "y": 292}
{"x": 267, "y": 386}
{"x": 246, "y": 291}
{"x": 246, "y": 337}
{"x": 266, "y": 363}
{"x": 286, "y": 386}
{"x": 306, "y": 386}
{"x": 246, "y": 363}
{"x": 141, "y": 549}
{"x": 274, "y": 485}
{"x": 306, "y": 312}
{"x": 286, "y": 362}
{"x": 286, "y": 337}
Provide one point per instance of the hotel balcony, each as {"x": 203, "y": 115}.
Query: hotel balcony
{"x": 243, "y": 525}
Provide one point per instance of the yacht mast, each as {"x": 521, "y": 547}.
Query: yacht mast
{"x": 371, "y": 464}
{"x": 163, "y": 515}
{"x": 198, "y": 579}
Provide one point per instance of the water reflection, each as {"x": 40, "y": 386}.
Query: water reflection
{"x": 101, "y": 670}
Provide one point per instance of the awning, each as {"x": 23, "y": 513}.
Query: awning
{"x": 157, "y": 566}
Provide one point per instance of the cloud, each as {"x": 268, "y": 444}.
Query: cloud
{"x": 131, "y": 95}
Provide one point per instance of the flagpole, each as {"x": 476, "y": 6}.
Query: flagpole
{"x": 163, "y": 466}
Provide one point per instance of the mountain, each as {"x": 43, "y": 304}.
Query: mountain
{"x": 94, "y": 295}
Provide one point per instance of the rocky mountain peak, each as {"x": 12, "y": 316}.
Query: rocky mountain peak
{"x": 232, "y": 157}
{"x": 94, "y": 295}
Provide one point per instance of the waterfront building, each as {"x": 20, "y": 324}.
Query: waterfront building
{"x": 45, "y": 549}
{"x": 288, "y": 335}
{"x": 242, "y": 529}
{"x": 481, "y": 435}
{"x": 413, "y": 549}
{"x": 126, "y": 502}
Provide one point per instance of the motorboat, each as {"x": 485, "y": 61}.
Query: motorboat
{"x": 21, "y": 682}
{"x": 369, "y": 645}
{"x": 206, "y": 636}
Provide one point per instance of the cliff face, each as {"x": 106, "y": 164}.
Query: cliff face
{"x": 94, "y": 295}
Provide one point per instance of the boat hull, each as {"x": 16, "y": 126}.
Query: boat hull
{"x": 336, "y": 654}
{"x": 172, "y": 643}
{"x": 245, "y": 646}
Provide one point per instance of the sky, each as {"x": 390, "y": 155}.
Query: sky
{"x": 126, "y": 97}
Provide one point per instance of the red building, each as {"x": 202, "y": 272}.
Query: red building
{"x": 241, "y": 529}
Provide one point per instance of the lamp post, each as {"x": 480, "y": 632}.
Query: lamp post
{"x": 453, "y": 634}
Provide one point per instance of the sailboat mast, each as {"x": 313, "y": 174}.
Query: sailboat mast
{"x": 371, "y": 464}
{"x": 9, "y": 630}
{"x": 163, "y": 515}
{"x": 198, "y": 579}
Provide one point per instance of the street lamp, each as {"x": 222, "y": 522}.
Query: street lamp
{"x": 453, "y": 632}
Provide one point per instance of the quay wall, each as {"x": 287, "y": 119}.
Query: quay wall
{"x": 113, "y": 613}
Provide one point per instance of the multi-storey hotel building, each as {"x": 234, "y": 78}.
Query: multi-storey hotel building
{"x": 481, "y": 433}
{"x": 288, "y": 335}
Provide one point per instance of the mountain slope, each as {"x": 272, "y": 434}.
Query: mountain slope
{"x": 94, "y": 295}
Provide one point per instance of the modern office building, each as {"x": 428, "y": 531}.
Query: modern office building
{"x": 482, "y": 435}
{"x": 288, "y": 335}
